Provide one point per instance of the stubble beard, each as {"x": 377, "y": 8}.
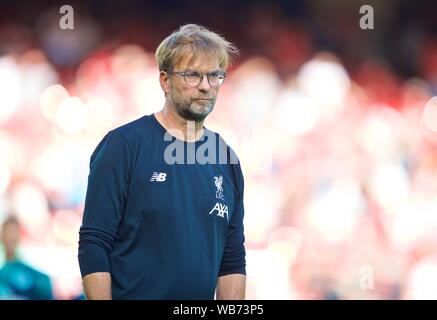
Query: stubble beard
{"x": 193, "y": 110}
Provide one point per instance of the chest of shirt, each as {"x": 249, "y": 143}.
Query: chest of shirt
{"x": 205, "y": 192}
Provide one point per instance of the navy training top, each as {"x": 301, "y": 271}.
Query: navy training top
{"x": 163, "y": 216}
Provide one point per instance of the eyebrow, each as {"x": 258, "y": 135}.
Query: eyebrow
{"x": 213, "y": 71}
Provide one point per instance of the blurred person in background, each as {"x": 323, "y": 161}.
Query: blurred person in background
{"x": 154, "y": 228}
{"x": 17, "y": 279}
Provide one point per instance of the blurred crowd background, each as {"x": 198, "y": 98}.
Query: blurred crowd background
{"x": 335, "y": 126}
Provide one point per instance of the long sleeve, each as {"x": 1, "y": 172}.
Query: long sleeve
{"x": 108, "y": 187}
{"x": 234, "y": 256}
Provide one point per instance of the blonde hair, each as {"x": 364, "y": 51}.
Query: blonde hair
{"x": 199, "y": 41}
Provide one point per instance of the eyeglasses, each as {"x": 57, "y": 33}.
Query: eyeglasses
{"x": 194, "y": 78}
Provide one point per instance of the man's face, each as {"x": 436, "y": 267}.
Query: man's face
{"x": 193, "y": 103}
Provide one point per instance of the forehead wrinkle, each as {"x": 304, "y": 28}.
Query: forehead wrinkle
{"x": 203, "y": 60}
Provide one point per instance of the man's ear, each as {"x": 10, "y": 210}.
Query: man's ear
{"x": 164, "y": 81}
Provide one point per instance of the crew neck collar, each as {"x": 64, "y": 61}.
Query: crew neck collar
{"x": 164, "y": 131}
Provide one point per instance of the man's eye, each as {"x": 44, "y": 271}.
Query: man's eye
{"x": 216, "y": 75}
{"x": 192, "y": 74}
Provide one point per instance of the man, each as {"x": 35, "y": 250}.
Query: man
{"x": 158, "y": 225}
{"x": 17, "y": 279}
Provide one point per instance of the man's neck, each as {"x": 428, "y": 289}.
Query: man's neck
{"x": 10, "y": 256}
{"x": 179, "y": 127}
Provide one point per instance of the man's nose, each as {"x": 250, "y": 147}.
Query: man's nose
{"x": 204, "y": 84}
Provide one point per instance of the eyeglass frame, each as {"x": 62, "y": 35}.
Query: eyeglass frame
{"x": 183, "y": 74}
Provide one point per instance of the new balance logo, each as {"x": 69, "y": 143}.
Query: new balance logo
{"x": 158, "y": 176}
{"x": 221, "y": 210}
